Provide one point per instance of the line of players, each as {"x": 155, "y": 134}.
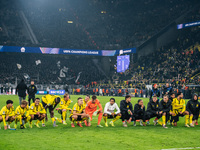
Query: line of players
{"x": 170, "y": 108}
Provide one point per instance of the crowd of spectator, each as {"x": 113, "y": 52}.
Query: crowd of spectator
{"x": 94, "y": 24}
{"x": 53, "y": 69}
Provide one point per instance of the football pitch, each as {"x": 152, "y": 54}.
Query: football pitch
{"x": 65, "y": 137}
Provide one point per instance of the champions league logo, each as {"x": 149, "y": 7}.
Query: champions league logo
{"x": 22, "y": 49}
{"x": 121, "y": 52}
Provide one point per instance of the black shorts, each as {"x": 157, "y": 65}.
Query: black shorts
{"x": 50, "y": 107}
{"x": 9, "y": 119}
{"x": 195, "y": 117}
{"x": 110, "y": 116}
{"x": 150, "y": 115}
{"x": 60, "y": 111}
{"x": 78, "y": 119}
{"x": 36, "y": 117}
{"x": 176, "y": 118}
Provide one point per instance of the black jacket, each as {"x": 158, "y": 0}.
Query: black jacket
{"x": 152, "y": 107}
{"x": 32, "y": 90}
{"x": 167, "y": 89}
{"x": 156, "y": 92}
{"x": 124, "y": 106}
{"x": 21, "y": 89}
{"x": 138, "y": 110}
{"x": 193, "y": 106}
{"x": 165, "y": 107}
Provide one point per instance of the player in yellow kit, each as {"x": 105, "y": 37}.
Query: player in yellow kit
{"x": 37, "y": 112}
{"x": 78, "y": 113}
{"x": 64, "y": 104}
{"x": 87, "y": 98}
{"x": 7, "y": 114}
{"x": 179, "y": 109}
{"x": 22, "y": 114}
{"x": 51, "y": 101}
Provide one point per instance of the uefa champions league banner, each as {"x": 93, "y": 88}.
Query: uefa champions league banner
{"x": 45, "y": 50}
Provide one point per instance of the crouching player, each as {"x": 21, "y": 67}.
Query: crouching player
{"x": 51, "y": 101}
{"x": 87, "y": 98}
{"x": 7, "y": 114}
{"x": 193, "y": 107}
{"x": 109, "y": 112}
{"x": 78, "y": 113}
{"x": 126, "y": 109}
{"x": 139, "y": 113}
{"x": 165, "y": 107}
{"x": 179, "y": 109}
{"x": 91, "y": 109}
{"x": 37, "y": 112}
{"x": 64, "y": 104}
{"x": 153, "y": 110}
{"x": 22, "y": 114}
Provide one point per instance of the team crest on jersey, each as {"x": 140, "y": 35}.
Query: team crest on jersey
{"x": 32, "y": 107}
{"x": 197, "y": 105}
{"x": 157, "y": 105}
{"x": 61, "y": 102}
{"x": 4, "y": 112}
{"x": 127, "y": 106}
{"x": 18, "y": 113}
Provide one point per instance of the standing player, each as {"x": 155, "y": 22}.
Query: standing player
{"x": 22, "y": 114}
{"x": 91, "y": 109}
{"x": 64, "y": 104}
{"x": 32, "y": 90}
{"x": 179, "y": 109}
{"x": 109, "y": 112}
{"x": 7, "y": 114}
{"x": 193, "y": 107}
{"x": 139, "y": 113}
{"x": 37, "y": 112}
{"x": 50, "y": 101}
{"x": 153, "y": 110}
{"x": 78, "y": 113}
{"x": 126, "y": 109}
{"x": 165, "y": 107}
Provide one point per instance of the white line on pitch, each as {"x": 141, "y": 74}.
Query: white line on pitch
{"x": 182, "y": 148}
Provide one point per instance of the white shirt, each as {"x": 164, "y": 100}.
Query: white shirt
{"x": 109, "y": 109}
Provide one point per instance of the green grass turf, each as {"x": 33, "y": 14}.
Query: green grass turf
{"x": 118, "y": 137}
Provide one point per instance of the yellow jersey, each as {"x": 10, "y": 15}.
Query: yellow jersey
{"x": 77, "y": 108}
{"x": 49, "y": 99}
{"x": 5, "y": 111}
{"x": 178, "y": 105}
{"x": 65, "y": 104}
{"x": 34, "y": 109}
{"x": 84, "y": 103}
{"x": 22, "y": 111}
